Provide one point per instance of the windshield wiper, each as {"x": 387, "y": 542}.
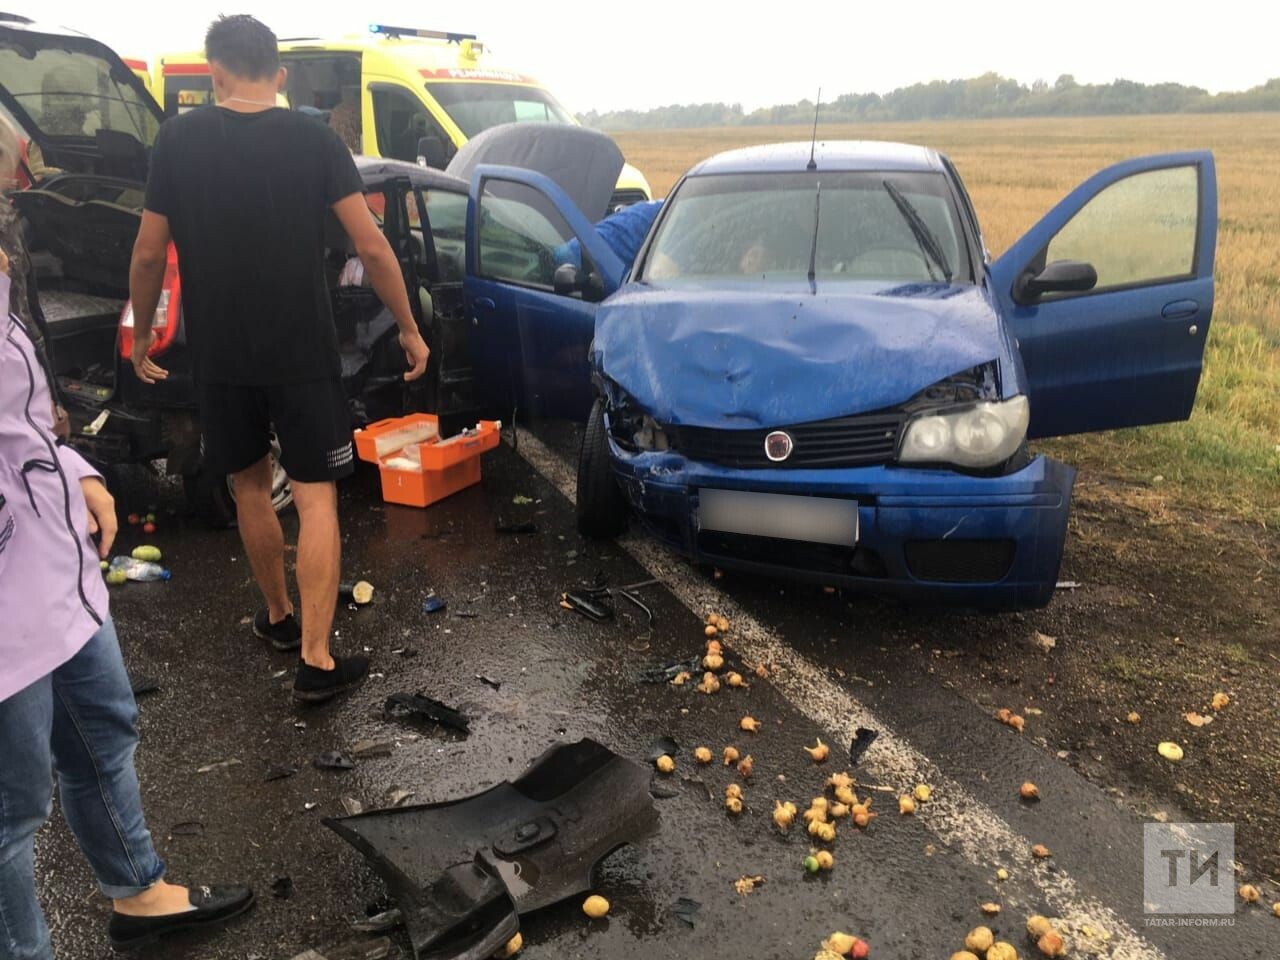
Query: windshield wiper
{"x": 813, "y": 249}
{"x": 920, "y": 230}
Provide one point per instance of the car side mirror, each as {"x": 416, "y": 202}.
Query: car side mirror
{"x": 593, "y": 287}
{"x": 431, "y": 153}
{"x": 1060, "y": 276}
{"x": 567, "y": 280}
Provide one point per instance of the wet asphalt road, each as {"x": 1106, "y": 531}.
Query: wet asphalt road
{"x": 910, "y": 890}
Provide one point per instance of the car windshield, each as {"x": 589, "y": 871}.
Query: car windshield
{"x": 761, "y": 225}
{"x": 74, "y": 94}
{"x": 476, "y": 107}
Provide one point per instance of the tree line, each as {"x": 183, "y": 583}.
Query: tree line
{"x": 989, "y": 95}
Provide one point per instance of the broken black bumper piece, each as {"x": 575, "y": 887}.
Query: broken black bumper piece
{"x": 462, "y": 872}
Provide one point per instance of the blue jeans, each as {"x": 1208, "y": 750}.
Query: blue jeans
{"x": 78, "y": 722}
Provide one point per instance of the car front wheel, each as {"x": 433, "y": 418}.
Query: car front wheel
{"x": 602, "y": 509}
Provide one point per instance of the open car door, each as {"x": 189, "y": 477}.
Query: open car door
{"x": 535, "y": 270}
{"x": 1109, "y": 296}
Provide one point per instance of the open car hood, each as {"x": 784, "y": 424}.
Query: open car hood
{"x": 584, "y": 163}
{"x": 737, "y": 359}
{"x": 77, "y": 100}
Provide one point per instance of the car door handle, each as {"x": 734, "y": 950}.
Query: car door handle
{"x": 484, "y": 303}
{"x": 1180, "y": 309}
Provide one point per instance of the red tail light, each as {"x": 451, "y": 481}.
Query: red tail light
{"x": 168, "y": 313}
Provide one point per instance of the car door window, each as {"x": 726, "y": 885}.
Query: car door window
{"x": 523, "y": 238}
{"x": 447, "y": 212}
{"x": 401, "y": 120}
{"x": 1137, "y": 231}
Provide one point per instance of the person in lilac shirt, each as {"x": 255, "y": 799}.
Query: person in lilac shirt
{"x": 66, "y": 708}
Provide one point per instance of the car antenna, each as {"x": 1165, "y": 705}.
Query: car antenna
{"x": 813, "y": 144}
{"x": 813, "y": 249}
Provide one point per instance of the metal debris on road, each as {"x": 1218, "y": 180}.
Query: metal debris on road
{"x": 1068, "y": 585}
{"x": 398, "y": 795}
{"x": 282, "y": 888}
{"x": 489, "y": 681}
{"x": 863, "y": 737}
{"x": 332, "y": 760}
{"x": 412, "y": 706}
{"x": 382, "y": 922}
{"x": 218, "y": 765}
{"x": 363, "y": 749}
{"x": 279, "y": 771}
{"x": 407, "y": 652}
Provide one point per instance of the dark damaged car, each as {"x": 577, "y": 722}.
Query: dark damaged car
{"x": 815, "y": 370}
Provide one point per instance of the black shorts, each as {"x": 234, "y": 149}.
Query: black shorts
{"x": 311, "y": 421}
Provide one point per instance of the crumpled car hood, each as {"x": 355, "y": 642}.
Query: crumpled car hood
{"x": 736, "y": 359}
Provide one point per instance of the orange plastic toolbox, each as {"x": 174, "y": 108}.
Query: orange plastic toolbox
{"x": 416, "y": 466}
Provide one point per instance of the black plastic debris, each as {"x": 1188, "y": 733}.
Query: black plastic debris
{"x": 415, "y": 706}
{"x": 663, "y": 746}
{"x": 464, "y": 871}
{"x": 383, "y": 922}
{"x": 333, "y": 760}
{"x": 407, "y": 652}
{"x": 282, "y": 888}
{"x": 666, "y": 672}
{"x": 280, "y": 771}
{"x": 433, "y": 604}
{"x": 141, "y": 686}
{"x": 862, "y": 738}
{"x": 685, "y": 910}
{"x": 513, "y": 527}
{"x": 187, "y": 828}
{"x": 489, "y": 681}
{"x": 593, "y": 604}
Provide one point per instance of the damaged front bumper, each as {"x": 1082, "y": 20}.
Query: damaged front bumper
{"x": 923, "y": 534}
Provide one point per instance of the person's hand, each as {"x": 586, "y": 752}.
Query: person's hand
{"x": 147, "y": 370}
{"x": 102, "y": 513}
{"x": 416, "y": 352}
{"x": 4, "y": 262}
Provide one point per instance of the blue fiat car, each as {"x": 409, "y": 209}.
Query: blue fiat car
{"x": 814, "y": 369}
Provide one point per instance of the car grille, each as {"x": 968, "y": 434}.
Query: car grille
{"x": 857, "y": 441}
{"x": 960, "y": 561}
{"x": 625, "y": 197}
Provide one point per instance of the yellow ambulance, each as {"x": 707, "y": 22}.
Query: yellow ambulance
{"x": 408, "y": 94}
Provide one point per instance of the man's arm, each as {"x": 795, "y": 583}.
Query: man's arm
{"x": 146, "y": 281}
{"x": 383, "y": 270}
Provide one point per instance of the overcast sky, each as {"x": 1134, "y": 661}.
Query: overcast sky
{"x": 653, "y": 52}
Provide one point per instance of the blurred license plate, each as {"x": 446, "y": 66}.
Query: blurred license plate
{"x": 779, "y": 515}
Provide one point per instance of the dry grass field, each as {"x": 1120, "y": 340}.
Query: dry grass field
{"x": 1227, "y": 458}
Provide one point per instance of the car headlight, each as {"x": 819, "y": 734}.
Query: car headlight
{"x": 982, "y": 435}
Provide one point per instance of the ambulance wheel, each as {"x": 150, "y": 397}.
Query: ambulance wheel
{"x": 602, "y": 509}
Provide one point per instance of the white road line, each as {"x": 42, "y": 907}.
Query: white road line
{"x": 958, "y": 819}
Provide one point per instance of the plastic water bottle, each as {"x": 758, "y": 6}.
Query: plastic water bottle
{"x": 139, "y": 571}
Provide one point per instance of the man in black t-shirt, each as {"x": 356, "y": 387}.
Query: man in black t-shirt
{"x": 242, "y": 189}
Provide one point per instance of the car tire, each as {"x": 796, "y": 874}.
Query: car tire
{"x": 212, "y": 498}
{"x": 209, "y": 495}
{"x": 602, "y": 509}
